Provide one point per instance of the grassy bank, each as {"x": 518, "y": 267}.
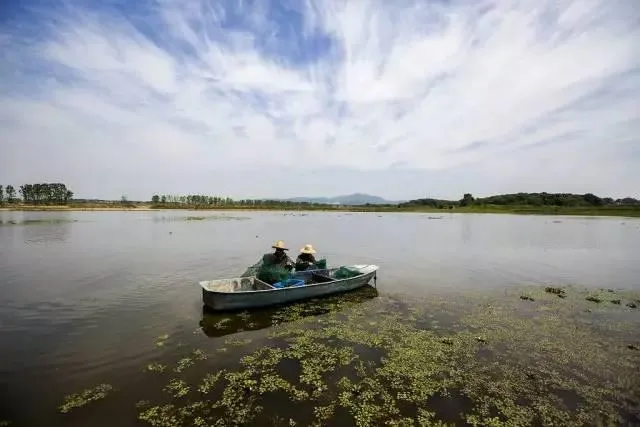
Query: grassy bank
{"x": 622, "y": 211}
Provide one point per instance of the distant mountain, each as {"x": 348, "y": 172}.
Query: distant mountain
{"x": 351, "y": 199}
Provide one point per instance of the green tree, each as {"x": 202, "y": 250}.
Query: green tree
{"x": 11, "y": 194}
{"x": 592, "y": 199}
{"x": 155, "y": 198}
{"x": 1, "y": 194}
{"x": 467, "y": 200}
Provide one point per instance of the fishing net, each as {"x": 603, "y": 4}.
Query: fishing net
{"x": 273, "y": 273}
{"x": 321, "y": 264}
{"x": 267, "y": 272}
{"x": 345, "y": 273}
{"x": 253, "y": 270}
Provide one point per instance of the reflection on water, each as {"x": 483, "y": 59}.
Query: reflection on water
{"x": 218, "y": 324}
{"x": 37, "y": 227}
{"x": 47, "y": 234}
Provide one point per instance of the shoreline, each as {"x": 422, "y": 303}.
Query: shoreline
{"x": 625, "y": 212}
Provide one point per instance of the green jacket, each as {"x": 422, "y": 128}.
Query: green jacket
{"x": 271, "y": 260}
{"x": 273, "y": 269}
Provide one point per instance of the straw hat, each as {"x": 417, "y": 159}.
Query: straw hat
{"x": 308, "y": 249}
{"x": 279, "y": 245}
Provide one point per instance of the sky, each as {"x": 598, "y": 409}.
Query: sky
{"x": 254, "y": 99}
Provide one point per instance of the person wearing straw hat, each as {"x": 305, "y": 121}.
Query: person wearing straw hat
{"x": 279, "y": 257}
{"x": 275, "y": 266}
{"x": 306, "y": 258}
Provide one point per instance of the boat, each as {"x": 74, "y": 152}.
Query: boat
{"x": 250, "y": 292}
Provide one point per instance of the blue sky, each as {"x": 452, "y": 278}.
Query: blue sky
{"x": 401, "y": 99}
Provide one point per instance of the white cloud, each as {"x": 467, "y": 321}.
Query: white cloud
{"x": 502, "y": 88}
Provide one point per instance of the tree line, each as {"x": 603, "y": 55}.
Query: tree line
{"x": 37, "y": 194}
{"x": 196, "y": 200}
{"x": 526, "y": 199}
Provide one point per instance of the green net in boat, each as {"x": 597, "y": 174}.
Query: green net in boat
{"x": 253, "y": 270}
{"x": 267, "y": 273}
{"x": 272, "y": 274}
{"x": 345, "y": 273}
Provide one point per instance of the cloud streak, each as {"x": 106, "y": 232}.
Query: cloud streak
{"x": 511, "y": 92}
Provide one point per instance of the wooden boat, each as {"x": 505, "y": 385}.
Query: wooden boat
{"x": 251, "y": 292}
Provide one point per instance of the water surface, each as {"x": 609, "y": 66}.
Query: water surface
{"x": 85, "y": 294}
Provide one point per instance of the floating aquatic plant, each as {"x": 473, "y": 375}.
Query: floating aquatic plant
{"x": 83, "y": 398}
{"x": 160, "y": 416}
{"x": 177, "y": 388}
{"x": 237, "y": 341}
{"x": 156, "y": 367}
{"x": 161, "y": 340}
{"x": 393, "y": 363}
{"x": 40, "y": 221}
{"x": 183, "y": 364}
{"x": 209, "y": 381}
{"x": 199, "y": 354}
{"x": 222, "y": 323}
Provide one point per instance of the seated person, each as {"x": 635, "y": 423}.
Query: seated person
{"x": 275, "y": 266}
{"x": 306, "y": 259}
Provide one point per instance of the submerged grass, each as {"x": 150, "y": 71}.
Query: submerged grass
{"x": 497, "y": 360}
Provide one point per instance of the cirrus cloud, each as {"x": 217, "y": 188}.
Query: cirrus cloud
{"x": 284, "y": 98}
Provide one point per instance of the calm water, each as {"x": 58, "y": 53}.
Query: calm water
{"x": 84, "y": 293}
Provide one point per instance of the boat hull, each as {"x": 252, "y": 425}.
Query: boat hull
{"x": 221, "y": 301}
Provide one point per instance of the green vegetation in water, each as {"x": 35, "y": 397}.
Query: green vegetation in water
{"x": 161, "y": 340}
{"x": 183, "y": 364}
{"x": 485, "y": 359}
{"x": 237, "y": 341}
{"x": 216, "y": 217}
{"x": 177, "y": 388}
{"x": 199, "y": 354}
{"x": 155, "y": 367}
{"x": 83, "y": 398}
{"x": 201, "y": 218}
{"x": 41, "y": 221}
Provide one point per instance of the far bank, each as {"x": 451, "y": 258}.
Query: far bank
{"x": 618, "y": 211}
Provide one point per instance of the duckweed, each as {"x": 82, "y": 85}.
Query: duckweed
{"x": 484, "y": 360}
{"x": 161, "y": 340}
{"x": 209, "y": 381}
{"x": 200, "y": 354}
{"x": 156, "y": 367}
{"x": 177, "y": 388}
{"x": 183, "y": 364}
{"x": 85, "y": 397}
{"x": 237, "y": 341}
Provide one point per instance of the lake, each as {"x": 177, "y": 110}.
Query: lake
{"x": 88, "y": 296}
